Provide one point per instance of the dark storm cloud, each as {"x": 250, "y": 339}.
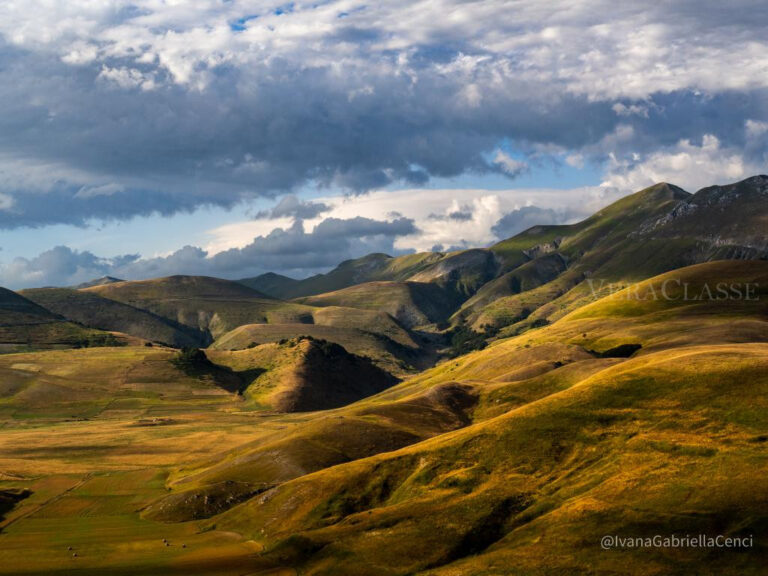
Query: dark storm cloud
{"x": 111, "y": 113}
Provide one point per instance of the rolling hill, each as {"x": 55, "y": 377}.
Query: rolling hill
{"x": 209, "y": 305}
{"x": 369, "y": 333}
{"x": 24, "y": 325}
{"x": 370, "y": 268}
{"x": 568, "y": 442}
{"x": 304, "y": 374}
{"x": 412, "y": 304}
{"x": 94, "y": 311}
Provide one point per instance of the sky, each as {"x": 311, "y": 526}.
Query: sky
{"x": 234, "y": 137}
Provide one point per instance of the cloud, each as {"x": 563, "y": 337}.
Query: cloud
{"x": 182, "y": 105}
{"x": 290, "y": 206}
{"x": 60, "y": 266}
{"x": 455, "y": 212}
{"x": 509, "y": 165}
{"x": 521, "y": 219}
{"x": 416, "y": 220}
{"x": 687, "y": 164}
{"x": 291, "y": 250}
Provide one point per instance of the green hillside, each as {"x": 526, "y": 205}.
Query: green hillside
{"x": 566, "y": 446}
{"x": 370, "y": 268}
{"x": 209, "y": 305}
{"x": 94, "y": 311}
{"x": 366, "y": 333}
{"x": 410, "y": 303}
{"x": 24, "y": 325}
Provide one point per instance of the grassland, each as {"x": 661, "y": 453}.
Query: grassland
{"x": 523, "y": 454}
{"x": 413, "y": 304}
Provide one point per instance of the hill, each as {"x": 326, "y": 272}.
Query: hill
{"x": 410, "y": 303}
{"x": 271, "y": 284}
{"x": 209, "y": 305}
{"x": 305, "y": 374}
{"x": 368, "y": 333}
{"x": 647, "y": 233}
{"x": 567, "y": 445}
{"x": 638, "y": 412}
{"x": 94, "y": 311}
{"x": 24, "y": 325}
{"x": 370, "y": 268}
{"x": 99, "y": 282}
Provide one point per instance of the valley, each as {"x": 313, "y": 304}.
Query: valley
{"x": 487, "y": 411}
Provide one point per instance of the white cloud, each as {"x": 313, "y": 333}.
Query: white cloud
{"x": 632, "y": 109}
{"x": 686, "y": 164}
{"x": 755, "y": 129}
{"x": 479, "y": 211}
{"x": 509, "y": 165}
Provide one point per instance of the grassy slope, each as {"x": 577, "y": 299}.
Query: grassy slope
{"x": 566, "y": 447}
{"x": 234, "y": 316}
{"x": 562, "y": 447}
{"x": 91, "y": 433}
{"x": 411, "y": 303}
{"x": 596, "y": 247}
{"x": 24, "y": 325}
{"x": 271, "y": 284}
{"x": 373, "y": 267}
{"x": 367, "y": 333}
{"x": 94, "y": 311}
{"x": 202, "y": 303}
{"x": 305, "y": 374}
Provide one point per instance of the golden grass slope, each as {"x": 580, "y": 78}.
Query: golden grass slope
{"x": 566, "y": 447}
{"x": 369, "y": 333}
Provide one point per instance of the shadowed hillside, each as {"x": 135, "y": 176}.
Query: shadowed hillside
{"x": 305, "y": 374}
{"x": 26, "y": 325}
{"x": 92, "y": 310}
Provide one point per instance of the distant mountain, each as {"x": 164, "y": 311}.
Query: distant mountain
{"x": 229, "y": 315}
{"x": 410, "y": 303}
{"x": 99, "y": 282}
{"x": 373, "y": 267}
{"x": 271, "y": 284}
{"x": 528, "y": 280}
